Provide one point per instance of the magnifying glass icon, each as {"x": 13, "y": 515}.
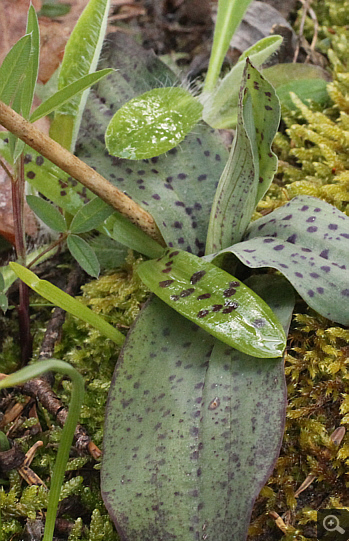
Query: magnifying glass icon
{"x": 331, "y": 524}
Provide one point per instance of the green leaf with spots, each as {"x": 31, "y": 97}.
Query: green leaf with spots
{"x": 84, "y": 255}
{"x": 216, "y": 301}
{"x": 178, "y": 187}
{"x": 47, "y": 213}
{"x": 222, "y": 104}
{"x": 192, "y": 425}
{"x": 308, "y": 241}
{"x": 251, "y": 164}
{"x": 152, "y": 123}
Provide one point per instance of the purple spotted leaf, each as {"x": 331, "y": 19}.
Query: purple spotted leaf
{"x": 308, "y": 241}
{"x": 192, "y": 425}
{"x": 251, "y": 164}
{"x": 178, "y": 187}
{"x": 216, "y": 301}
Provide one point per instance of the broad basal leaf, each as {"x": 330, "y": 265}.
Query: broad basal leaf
{"x": 192, "y": 429}
{"x": 308, "y": 241}
{"x": 152, "y": 123}
{"x": 216, "y": 301}
{"x": 176, "y": 188}
{"x": 251, "y": 165}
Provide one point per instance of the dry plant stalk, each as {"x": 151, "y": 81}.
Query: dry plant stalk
{"x": 79, "y": 170}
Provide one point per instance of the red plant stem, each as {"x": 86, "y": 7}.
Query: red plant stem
{"x": 25, "y": 338}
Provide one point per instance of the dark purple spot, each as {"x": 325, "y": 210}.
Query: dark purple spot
{"x": 156, "y": 196}
{"x": 345, "y": 292}
{"x": 39, "y": 160}
{"x": 268, "y": 94}
{"x": 129, "y": 171}
{"x": 172, "y": 151}
{"x": 167, "y": 270}
{"x": 197, "y": 276}
{"x": 217, "y": 307}
{"x": 268, "y": 108}
{"x": 178, "y": 225}
{"x": 182, "y": 176}
{"x": 179, "y": 204}
{"x": 187, "y": 292}
{"x": 217, "y": 158}
{"x": 324, "y": 254}
{"x": 312, "y": 229}
{"x": 333, "y": 227}
{"x": 31, "y": 174}
{"x": 314, "y": 275}
{"x": 174, "y": 297}
{"x": 344, "y": 235}
{"x": 279, "y": 247}
{"x": 140, "y": 172}
{"x": 27, "y": 159}
{"x": 173, "y": 254}
{"x": 320, "y": 290}
{"x": 311, "y": 293}
{"x": 229, "y": 292}
{"x": 268, "y": 240}
{"x": 154, "y": 160}
{"x": 166, "y": 283}
{"x": 325, "y": 269}
{"x": 203, "y": 313}
{"x": 299, "y": 274}
{"x": 305, "y": 207}
{"x": 292, "y": 239}
{"x": 63, "y": 193}
{"x": 202, "y": 177}
{"x": 207, "y": 152}
{"x": 204, "y": 296}
{"x": 234, "y": 284}
{"x": 311, "y": 219}
{"x": 169, "y": 179}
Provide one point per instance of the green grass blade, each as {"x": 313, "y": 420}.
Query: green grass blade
{"x": 80, "y": 58}
{"x": 66, "y": 302}
{"x": 229, "y": 16}
{"x": 62, "y": 96}
{"x": 77, "y": 395}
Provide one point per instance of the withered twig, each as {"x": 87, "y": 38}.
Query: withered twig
{"x": 78, "y": 170}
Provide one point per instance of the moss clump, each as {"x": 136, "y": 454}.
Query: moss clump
{"x": 117, "y": 296}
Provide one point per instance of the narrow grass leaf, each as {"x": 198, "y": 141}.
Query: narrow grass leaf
{"x": 84, "y": 255}
{"x": 63, "y": 96}
{"x": 66, "y": 302}
{"x": 81, "y": 55}
{"x": 47, "y": 212}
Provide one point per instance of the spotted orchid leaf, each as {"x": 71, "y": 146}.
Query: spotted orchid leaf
{"x": 251, "y": 164}
{"x": 192, "y": 425}
{"x": 216, "y": 301}
{"x": 152, "y": 123}
{"x": 178, "y": 187}
{"x": 221, "y": 105}
{"x": 308, "y": 241}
